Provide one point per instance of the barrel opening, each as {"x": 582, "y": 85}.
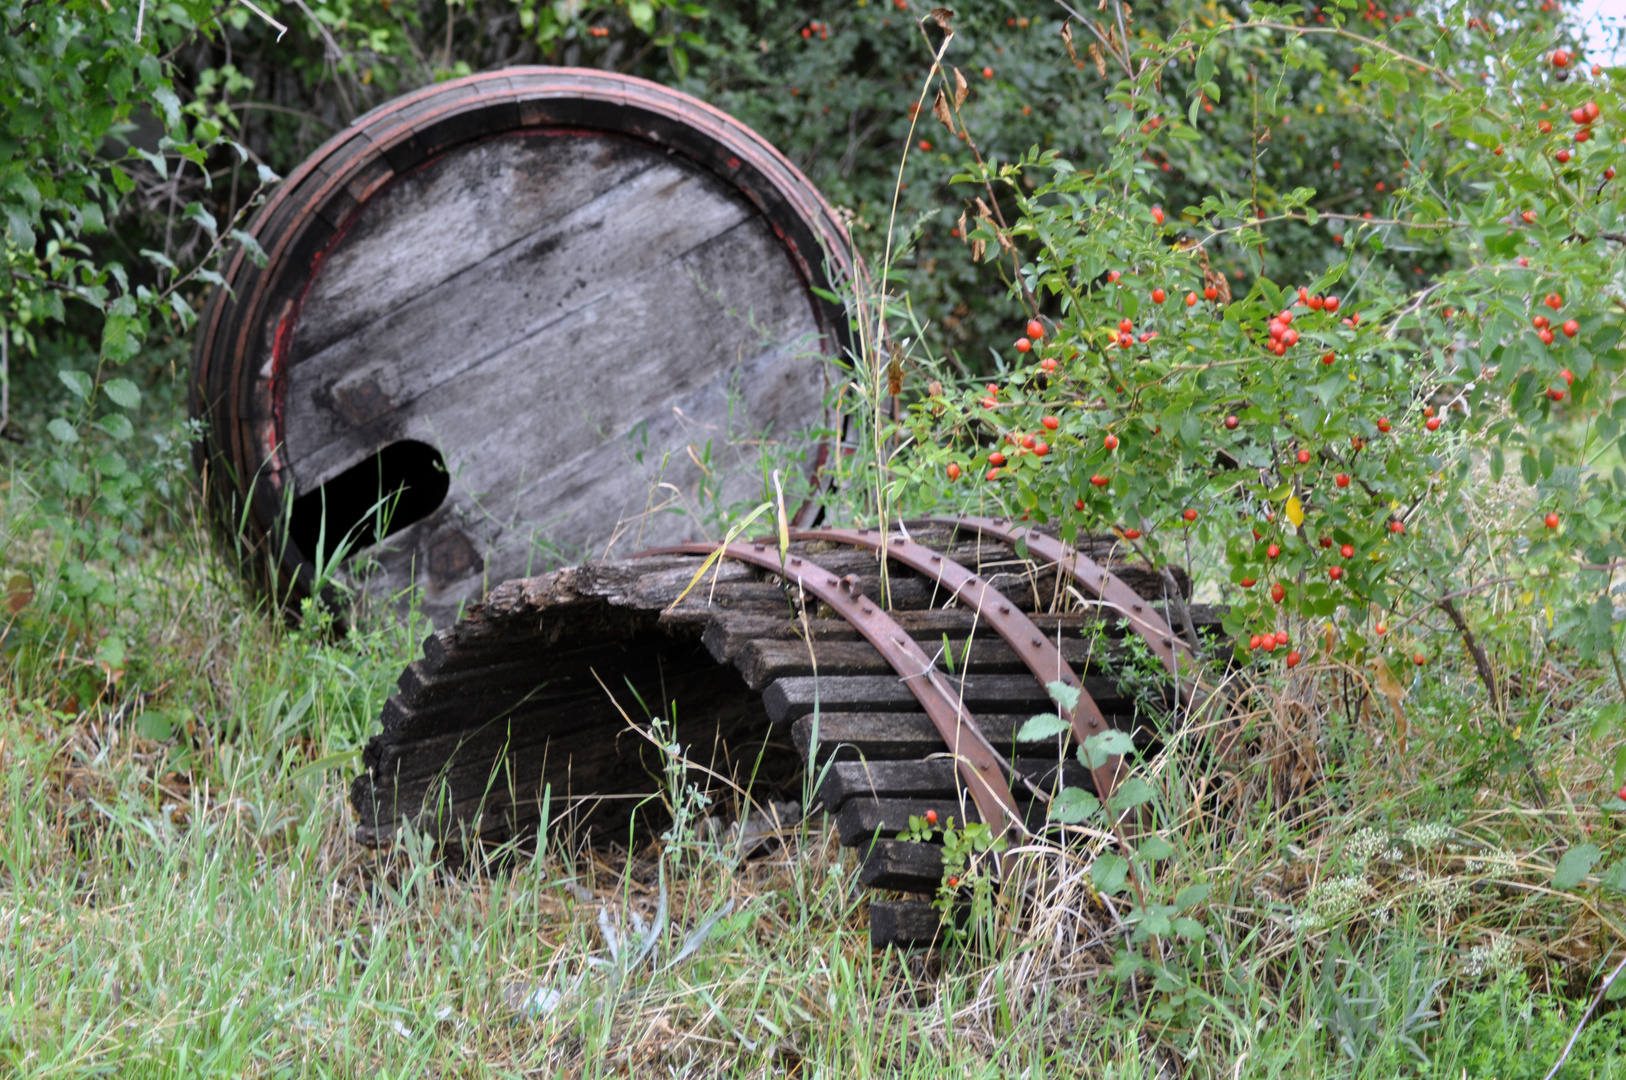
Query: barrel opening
{"x": 403, "y": 483}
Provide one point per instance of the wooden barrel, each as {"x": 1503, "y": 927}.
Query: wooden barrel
{"x": 792, "y": 680}
{"x": 552, "y": 312}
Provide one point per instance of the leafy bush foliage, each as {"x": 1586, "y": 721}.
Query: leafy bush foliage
{"x": 1345, "y": 430}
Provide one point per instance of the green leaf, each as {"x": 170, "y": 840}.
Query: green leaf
{"x": 1153, "y": 847}
{"x": 1098, "y": 748}
{"x": 62, "y": 431}
{"x": 1616, "y": 877}
{"x": 1108, "y": 873}
{"x": 1155, "y": 922}
{"x": 169, "y": 103}
{"x": 120, "y": 339}
{"x": 1043, "y": 726}
{"x": 123, "y": 392}
{"x": 1192, "y": 895}
{"x": 1575, "y": 866}
{"x": 117, "y": 425}
{"x": 1063, "y": 695}
{"x": 111, "y": 463}
{"x": 1074, "y": 805}
{"x": 155, "y": 724}
{"x": 1190, "y": 929}
{"x": 642, "y": 15}
{"x": 1205, "y": 67}
{"x": 1130, "y": 794}
{"x": 1608, "y": 716}
{"x": 76, "y": 381}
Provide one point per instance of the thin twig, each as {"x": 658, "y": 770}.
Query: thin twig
{"x": 281, "y": 29}
{"x": 1576, "y": 1034}
{"x": 5, "y": 375}
{"x": 1339, "y": 31}
{"x": 1481, "y": 661}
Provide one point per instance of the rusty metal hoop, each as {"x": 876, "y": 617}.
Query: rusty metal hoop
{"x": 1040, "y": 657}
{"x": 1108, "y": 587}
{"x": 978, "y": 762}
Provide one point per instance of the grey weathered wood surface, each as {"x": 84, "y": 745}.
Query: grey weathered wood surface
{"x": 578, "y": 276}
{"x": 571, "y": 320}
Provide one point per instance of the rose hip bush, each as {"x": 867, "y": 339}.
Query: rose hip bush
{"x": 1336, "y": 439}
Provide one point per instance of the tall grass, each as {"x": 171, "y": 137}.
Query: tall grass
{"x": 180, "y": 896}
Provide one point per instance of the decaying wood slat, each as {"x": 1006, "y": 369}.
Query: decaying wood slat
{"x": 860, "y": 820}
{"x": 792, "y": 698}
{"x": 933, "y": 779}
{"x": 763, "y": 661}
{"x": 895, "y": 736}
{"x": 902, "y": 865}
{"x": 726, "y": 635}
{"x": 904, "y": 923}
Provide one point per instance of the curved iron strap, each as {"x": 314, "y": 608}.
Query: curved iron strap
{"x": 1093, "y": 576}
{"x": 980, "y": 765}
{"x": 1041, "y": 657}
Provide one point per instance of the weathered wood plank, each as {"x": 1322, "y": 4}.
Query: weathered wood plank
{"x": 792, "y": 698}
{"x": 903, "y": 923}
{"x": 904, "y": 866}
{"x": 726, "y": 636}
{"x": 437, "y": 221}
{"x": 761, "y": 662}
{"x": 897, "y": 736}
{"x": 935, "y": 779}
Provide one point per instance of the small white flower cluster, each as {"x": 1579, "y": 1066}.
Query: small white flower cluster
{"x": 1330, "y": 900}
{"x": 1364, "y": 846}
{"x": 1428, "y": 837}
{"x": 1496, "y": 859}
{"x": 1440, "y": 893}
{"x": 1492, "y": 958}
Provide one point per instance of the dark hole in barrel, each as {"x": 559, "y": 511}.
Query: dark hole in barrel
{"x": 403, "y": 483}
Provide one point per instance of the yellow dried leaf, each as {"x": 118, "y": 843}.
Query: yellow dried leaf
{"x": 1295, "y": 511}
{"x": 1391, "y": 688}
